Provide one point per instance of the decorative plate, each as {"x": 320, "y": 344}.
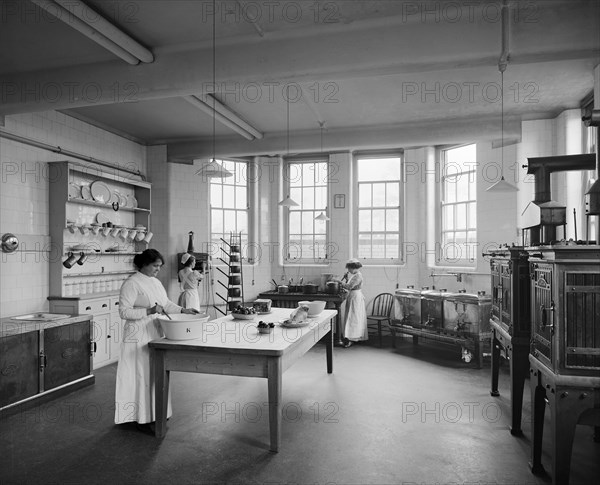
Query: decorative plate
{"x": 86, "y": 193}
{"x": 74, "y": 191}
{"x": 132, "y": 201}
{"x": 101, "y": 218}
{"x": 289, "y": 324}
{"x": 100, "y": 192}
{"x": 123, "y": 200}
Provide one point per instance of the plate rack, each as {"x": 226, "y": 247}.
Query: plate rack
{"x": 234, "y": 276}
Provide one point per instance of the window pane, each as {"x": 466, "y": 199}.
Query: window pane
{"x": 320, "y": 247}
{"x": 296, "y": 195}
{"x": 378, "y": 246}
{"x": 392, "y": 246}
{"x": 321, "y": 198}
{"x": 379, "y": 220}
{"x": 462, "y": 188}
{"x": 392, "y": 197}
{"x": 295, "y": 227}
{"x": 450, "y": 190}
{"x": 371, "y": 169}
{"x": 308, "y": 174}
{"x": 308, "y": 198}
{"x": 472, "y": 215}
{"x": 448, "y": 219}
{"x": 217, "y": 221}
{"x": 461, "y": 159}
{"x": 241, "y": 200}
{"x": 295, "y": 174}
{"x": 364, "y": 221}
{"x": 228, "y": 196}
{"x": 364, "y": 195}
{"x": 242, "y": 221}
{"x": 379, "y": 195}
{"x": 322, "y": 173}
{"x": 392, "y": 220}
{"x": 216, "y": 195}
{"x": 229, "y": 221}
{"x": 307, "y": 222}
{"x": 364, "y": 246}
{"x": 461, "y": 216}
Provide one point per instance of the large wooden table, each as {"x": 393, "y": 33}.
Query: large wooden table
{"x": 234, "y": 347}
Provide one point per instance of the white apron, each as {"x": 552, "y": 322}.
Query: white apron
{"x": 356, "y": 310}
{"x": 134, "y": 392}
{"x": 189, "y": 297}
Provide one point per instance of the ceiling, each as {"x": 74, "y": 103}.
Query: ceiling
{"x": 363, "y": 74}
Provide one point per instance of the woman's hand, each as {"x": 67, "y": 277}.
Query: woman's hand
{"x": 192, "y": 311}
{"x": 155, "y": 309}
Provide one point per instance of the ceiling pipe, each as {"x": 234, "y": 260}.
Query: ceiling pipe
{"x": 99, "y": 23}
{"x": 230, "y": 115}
{"x": 198, "y": 103}
{"x": 68, "y": 18}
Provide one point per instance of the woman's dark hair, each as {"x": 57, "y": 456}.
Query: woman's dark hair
{"x": 353, "y": 265}
{"x": 147, "y": 257}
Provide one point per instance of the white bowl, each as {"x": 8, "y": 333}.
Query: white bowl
{"x": 243, "y": 316}
{"x": 314, "y": 307}
{"x": 183, "y": 326}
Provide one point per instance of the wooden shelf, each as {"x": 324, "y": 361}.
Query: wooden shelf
{"x": 107, "y": 273}
{"x": 105, "y": 206}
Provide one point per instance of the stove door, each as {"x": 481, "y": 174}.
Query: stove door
{"x": 542, "y": 313}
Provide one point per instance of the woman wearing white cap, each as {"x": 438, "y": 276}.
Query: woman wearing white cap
{"x": 189, "y": 279}
{"x": 356, "y": 310}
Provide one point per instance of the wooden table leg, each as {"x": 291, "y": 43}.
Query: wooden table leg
{"x": 519, "y": 366}
{"x": 538, "y": 408}
{"x": 329, "y": 349}
{"x": 161, "y": 393}
{"x": 274, "y": 384}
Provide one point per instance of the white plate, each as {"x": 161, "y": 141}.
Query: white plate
{"x": 100, "y": 192}
{"x": 101, "y": 218}
{"x": 86, "y": 193}
{"x": 287, "y": 324}
{"x": 123, "y": 200}
{"x": 132, "y": 201}
{"x": 74, "y": 191}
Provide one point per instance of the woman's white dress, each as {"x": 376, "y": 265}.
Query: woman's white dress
{"x": 356, "y": 310}
{"x": 189, "y": 297}
{"x": 134, "y": 393}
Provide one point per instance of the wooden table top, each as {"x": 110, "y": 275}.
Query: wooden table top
{"x": 227, "y": 335}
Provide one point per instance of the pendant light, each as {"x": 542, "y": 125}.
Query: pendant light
{"x": 502, "y": 185}
{"x": 214, "y": 169}
{"x": 322, "y": 217}
{"x": 288, "y": 201}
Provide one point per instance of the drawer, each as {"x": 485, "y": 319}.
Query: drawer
{"x": 94, "y": 307}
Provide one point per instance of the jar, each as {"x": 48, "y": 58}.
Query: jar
{"x": 109, "y": 285}
{"x": 89, "y": 286}
{"x": 82, "y": 288}
{"x": 102, "y": 286}
{"x": 68, "y": 289}
{"x": 96, "y": 286}
{"x": 75, "y": 289}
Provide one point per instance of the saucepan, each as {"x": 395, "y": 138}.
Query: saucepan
{"x": 310, "y": 288}
{"x": 333, "y": 287}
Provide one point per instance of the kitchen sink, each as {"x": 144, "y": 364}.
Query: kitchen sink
{"x": 40, "y": 317}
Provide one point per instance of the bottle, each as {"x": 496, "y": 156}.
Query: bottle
{"x": 190, "y": 248}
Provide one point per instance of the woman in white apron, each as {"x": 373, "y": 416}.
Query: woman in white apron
{"x": 141, "y": 300}
{"x": 356, "y": 310}
{"x": 189, "y": 279}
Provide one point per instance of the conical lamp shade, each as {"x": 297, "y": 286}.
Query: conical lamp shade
{"x": 214, "y": 170}
{"x": 322, "y": 217}
{"x": 502, "y": 186}
{"x": 287, "y": 202}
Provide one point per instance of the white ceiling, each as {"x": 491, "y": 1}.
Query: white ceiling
{"x": 377, "y": 73}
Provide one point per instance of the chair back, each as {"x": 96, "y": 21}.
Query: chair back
{"x": 382, "y": 305}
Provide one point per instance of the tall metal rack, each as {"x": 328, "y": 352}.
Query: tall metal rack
{"x": 234, "y": 285}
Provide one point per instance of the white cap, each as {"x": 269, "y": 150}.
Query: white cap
{"x": 185, "y": 257}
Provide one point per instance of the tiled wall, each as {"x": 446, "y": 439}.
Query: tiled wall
{"x": 24, "y": 197}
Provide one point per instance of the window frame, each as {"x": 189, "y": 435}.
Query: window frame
{"x": 470, "y": 261}
{"x": 286, "y": 183}
{"x": 247, "y": 252}
{"x": 378, "y": 154}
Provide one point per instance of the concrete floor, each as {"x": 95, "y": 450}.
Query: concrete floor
{"x": 415, "y": 415}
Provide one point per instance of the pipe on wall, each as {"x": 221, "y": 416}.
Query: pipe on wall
{"x": 68, "y": 153}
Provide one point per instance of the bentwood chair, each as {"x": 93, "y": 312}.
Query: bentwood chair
{"x": 381, "y": 312}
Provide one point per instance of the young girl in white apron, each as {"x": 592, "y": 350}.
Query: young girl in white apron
{"x": 188, "y": 282}
{"x": 356, "y": 311}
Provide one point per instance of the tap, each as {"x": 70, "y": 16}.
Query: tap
{"x": 458, "y": 276}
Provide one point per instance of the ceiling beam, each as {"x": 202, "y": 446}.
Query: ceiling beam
{"x": 270, "y": 62}
{"x": 378, "y": 137}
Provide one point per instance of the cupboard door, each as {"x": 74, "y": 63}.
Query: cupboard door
{"x": 101, "y": 339}
{"x": 67, "y": 351}
{"x": 19, "y": 367}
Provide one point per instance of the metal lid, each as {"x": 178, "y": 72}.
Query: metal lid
{"x": 435, "y": 294}
{"x": 469, "y": 297}
{"x": 409, "y": 291}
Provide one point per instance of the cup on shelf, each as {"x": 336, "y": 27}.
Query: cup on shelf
{"x": 106, "y": 230}
{"x": 115, "y": 231}
{"x": 132, "y": 235}
{"x": 71, "y": 227}
{"x": 148, "y": 237}
{"x": 124, "y": 233}
{"x": 83, "y": 229}
{"x": 82, "y": 258}
{"x": 95, "y": 229}
{"x": 140, "y": 235}
{"x": 70, "y": 261}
